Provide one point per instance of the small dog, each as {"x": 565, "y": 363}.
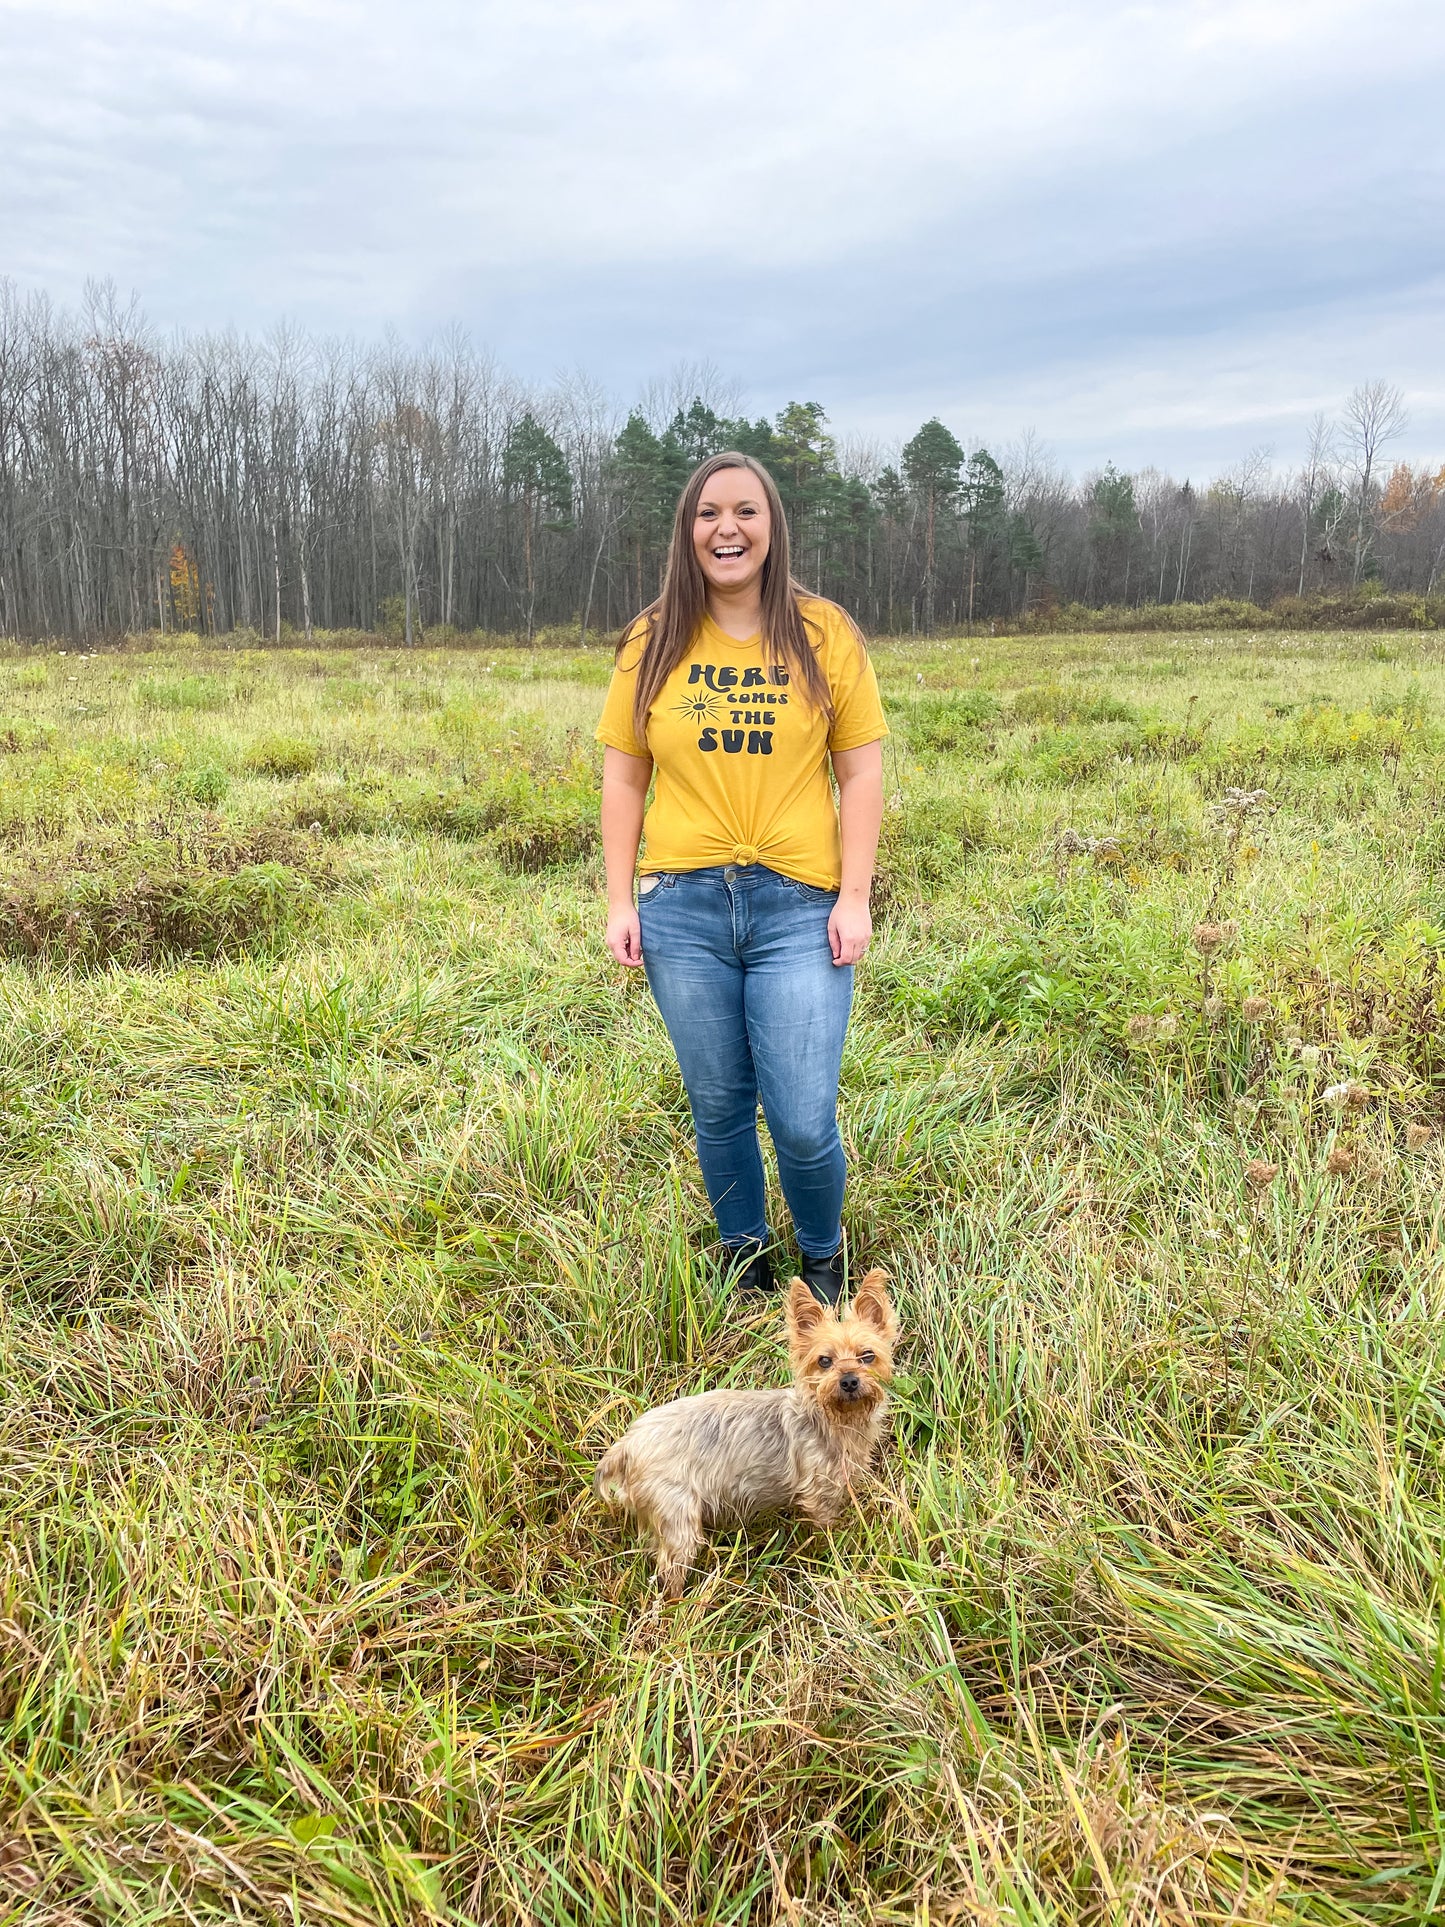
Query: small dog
{"x": 724, "y": 1457}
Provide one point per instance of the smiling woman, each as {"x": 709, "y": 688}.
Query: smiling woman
{"x": 736, "y": 689}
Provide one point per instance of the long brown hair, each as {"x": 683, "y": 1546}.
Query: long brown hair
{"x": 672, "y": 621}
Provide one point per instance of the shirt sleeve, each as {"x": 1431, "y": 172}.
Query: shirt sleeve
{"x": 615, "y": 727}
{"x": 857, "y": 706}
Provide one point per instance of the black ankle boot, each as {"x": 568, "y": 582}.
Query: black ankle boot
{"x": 750, "y": 1271}
{"x": 824, "y": 1277}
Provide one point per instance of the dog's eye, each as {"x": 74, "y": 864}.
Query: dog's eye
{"x": 865, "y": 1358}
{"x": 825, "y": 1364}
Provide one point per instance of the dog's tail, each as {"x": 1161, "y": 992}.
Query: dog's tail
{"x": 610, "y": 1482}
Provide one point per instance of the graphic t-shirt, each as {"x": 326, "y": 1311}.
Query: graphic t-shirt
{"x": 741, "y": 756}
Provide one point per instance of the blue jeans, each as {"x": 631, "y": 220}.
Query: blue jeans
{"x": 739, "y": 962}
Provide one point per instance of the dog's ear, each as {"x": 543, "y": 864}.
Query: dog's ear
{"x": 872, "y": 1304}
{"x": 805, "y": 1315}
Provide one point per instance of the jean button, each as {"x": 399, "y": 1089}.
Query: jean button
{"x": 730, "y": 875}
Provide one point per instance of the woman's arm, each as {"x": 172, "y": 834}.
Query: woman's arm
{"x": 624, "y": 798}
{"x": 860, "y": 817}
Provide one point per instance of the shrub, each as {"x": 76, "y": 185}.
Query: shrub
{"x": 68, "y": 791}
{"x": 281, "y": 756}
{"x": 594, "y": 671}
{"x": 207, "y": 785}
{"x": 544, "y": 839}
{"x": 391, "y": 618}
{"x": 1407, "y": 705}
{"x": 1170, "y": 744}
{"x": 409, "y": 694}
{"x": 184, "y": 692}
{"x": 1063, "y": 756}
{"x": 1381, "y": 610}
{"x": 1050, "y": 703}
{"x": 947, "y": 722}
{"x": 348, "y": 692}
{"x": 200, "y": 891}
{"x": 1323, "y": 733}
{"x": 344, "y": 638}
{"x": 462, "y": 721}
{"x": 1377, "y": 609}
{"x": 1015, "y": 985}
{"x": 335, "y": 809}
{"x": 18, "y": 737}
{"x": 530, "y": 823}
{"x": 930, "y": 836}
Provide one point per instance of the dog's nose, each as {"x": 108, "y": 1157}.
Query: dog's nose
{"x": 848, "y": 1384}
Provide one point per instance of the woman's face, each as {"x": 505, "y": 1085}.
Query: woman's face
{"x": 731, "y": 531}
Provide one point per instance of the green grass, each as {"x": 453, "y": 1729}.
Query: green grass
{"x": 347, "y": 1210}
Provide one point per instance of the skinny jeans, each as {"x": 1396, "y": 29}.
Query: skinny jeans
{"x": 739, "y": 963}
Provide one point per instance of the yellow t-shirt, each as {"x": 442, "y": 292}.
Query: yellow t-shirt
{"x": 741, "y": 759}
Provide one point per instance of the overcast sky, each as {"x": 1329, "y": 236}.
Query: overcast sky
{"x": 1167, "y": 231}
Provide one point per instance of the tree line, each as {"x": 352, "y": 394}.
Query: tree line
{"x": 219, "y": 483}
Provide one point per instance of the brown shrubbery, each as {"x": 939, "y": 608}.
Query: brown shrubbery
{"x": 1380, "y": 609}
{"x": 528, "y": 821}
{"x": 199, "y": 889}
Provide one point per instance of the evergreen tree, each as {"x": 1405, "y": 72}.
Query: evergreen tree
{"x": 804, "y": 464}
{"x": 1025, "y": 554}
{"x": 751, "y": 438}
{"x": 1113, "y": 524}
{"x": 535, "y": 473}
{"x": 643, "y": 468}
{"x": 931, "y": 464}
{"x": 890, "y": 497}
{"x": 852, "y": 519}
{"x": 987, "y": 517}
{"x": 695, "y": 434}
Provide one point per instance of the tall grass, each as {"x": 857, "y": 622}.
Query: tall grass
{"x": 335, "y": 1251}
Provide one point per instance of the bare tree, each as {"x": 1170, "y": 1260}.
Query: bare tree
{"x": 684, "y": 383}
{"x": 1234, "y": 499}
{"x": 218, "y": 483}
{"x": 1316, "y": 476}
{"x": 1374, "y": 414}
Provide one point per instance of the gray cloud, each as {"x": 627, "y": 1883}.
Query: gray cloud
{"x": 1152, "y": 231}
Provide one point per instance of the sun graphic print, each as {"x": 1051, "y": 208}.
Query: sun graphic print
{"x": 701, "y": 708}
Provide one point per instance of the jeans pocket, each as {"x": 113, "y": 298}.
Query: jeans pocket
{"x": 809, "y": 892}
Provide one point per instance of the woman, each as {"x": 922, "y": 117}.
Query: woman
{"x": 737, "y": 688}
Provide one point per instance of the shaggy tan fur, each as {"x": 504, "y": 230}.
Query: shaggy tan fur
{"x": 725, "y": 1457}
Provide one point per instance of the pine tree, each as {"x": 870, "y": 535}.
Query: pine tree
{"x": 1113, "y": 522}
{"x": 535, "y": 470}
{"x": 931, "y": 464}
{"x": 644, "y": 469}
{"x": 804, "y": 466}
{"x": 987, "y": 515}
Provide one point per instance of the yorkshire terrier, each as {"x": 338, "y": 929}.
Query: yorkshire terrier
{"x": 725, "y": 1457}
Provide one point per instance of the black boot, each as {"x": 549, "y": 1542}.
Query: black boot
{"x": 750, "y": 1271}
{"x": 824, "y": 1277}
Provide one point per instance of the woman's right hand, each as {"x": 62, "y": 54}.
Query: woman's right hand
{"x": 624, "y": 934}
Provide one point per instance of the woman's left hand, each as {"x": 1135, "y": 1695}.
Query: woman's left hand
{"x": 849, "y": 929}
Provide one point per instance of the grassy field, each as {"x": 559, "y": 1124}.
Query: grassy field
{"x": 347, "y": 1210}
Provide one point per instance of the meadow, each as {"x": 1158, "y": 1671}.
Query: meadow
{"x": 348, "y": 1210}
